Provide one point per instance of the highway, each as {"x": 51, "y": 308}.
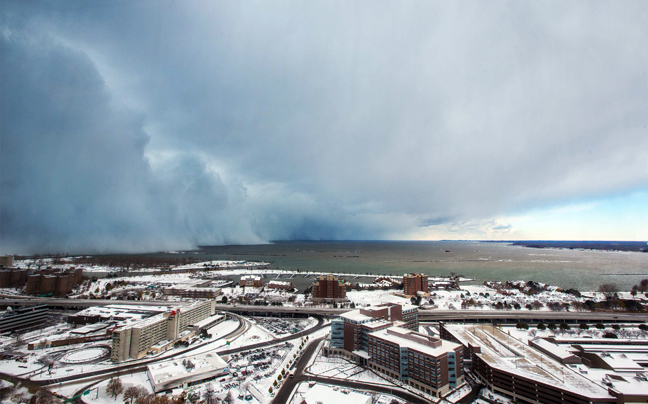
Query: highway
{"x": 424, "y": 315}
{"x": 528, "y": 316}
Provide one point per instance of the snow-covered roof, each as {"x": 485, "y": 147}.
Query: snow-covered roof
{"x": 416, "y": 341}
{"x": 510, "y": 355}
{"x": 174, "y": 372}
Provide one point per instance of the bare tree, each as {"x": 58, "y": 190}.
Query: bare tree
{"x": 114, "y": 387}
{"x": 209, "y": 395}
{"x": 133, "y": 393}
{"x": 44, "y": 396}
{"x": 609, "y": 290}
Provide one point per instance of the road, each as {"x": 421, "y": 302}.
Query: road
{"x": 140, "y": 367}
{"x": 424, "y": 315}
{"x": 528, "y": 316}
{"x": 289, "y": 385}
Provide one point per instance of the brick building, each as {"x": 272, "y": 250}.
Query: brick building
{"x": 426, "y": 363}
{"x": 56, "y": 282}
{"x": 352, "y": 328}
{"x": 414, "y": 283}
{"x": 328, "y": 287}
{"x": 251, "y": 281}
{"x": 280, "y": 285}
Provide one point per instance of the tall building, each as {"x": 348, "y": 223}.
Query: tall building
{"x": 328, "y": 287}
{"x": 414, "y": 283}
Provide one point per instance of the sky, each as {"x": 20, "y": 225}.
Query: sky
{"x": 154, "y": 125}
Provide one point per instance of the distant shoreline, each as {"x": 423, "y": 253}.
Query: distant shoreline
{"x": 632, "y": 246}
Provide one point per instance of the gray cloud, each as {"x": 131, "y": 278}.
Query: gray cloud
{"x": 155, "y": 125}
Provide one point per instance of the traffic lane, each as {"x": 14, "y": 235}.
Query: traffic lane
{"x": 286, "y": 389}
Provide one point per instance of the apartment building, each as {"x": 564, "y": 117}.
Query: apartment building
{"x": 328, "y": 287}
{"x": 415, "y": 283}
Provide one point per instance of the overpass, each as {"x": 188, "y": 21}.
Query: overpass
{"x": 425, "y": 316}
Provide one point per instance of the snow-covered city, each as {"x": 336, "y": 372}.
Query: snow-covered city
{"x": 239, "y": 331}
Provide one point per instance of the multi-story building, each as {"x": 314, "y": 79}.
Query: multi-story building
{"x": 6, "y": 261}
{"x": 23, "y": 317}
{"x": 426, "y": 363}
{"x": 512, "y": 368}
{"x": 50, "y": 281}
{"x": 252, "y": 281}
{"x": 328, "y": 287}
{"x": 136, "y": 339}
{"x": 358, "y": 324}
{"x": 280, "y": 285}
{"x": 13, "y": 277}
{"x": 415, "y": 283}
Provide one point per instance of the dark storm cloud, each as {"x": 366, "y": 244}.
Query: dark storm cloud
{"x": 155, "y": 124}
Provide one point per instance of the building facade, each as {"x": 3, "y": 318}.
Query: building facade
{"x": 328, "y": 287}
{"x": 251, "y": 281}
{"x": 415, "y": 283}
{"x": 426, "y": 363}
{"x": 134, "y": 340}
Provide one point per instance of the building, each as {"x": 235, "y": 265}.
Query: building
{"x": 193, "y": 292}
{"x": 13, "y": 277}
{"x": 187, "y": 372}
{"x": 328, "y": 287}
{"x": 280, "y": 285}
{"x": 114, "y": 313}
{"x": 509, "y": 367}
{"x": 158, "y": 332}
{"x": 251, "y": 281}
{"x": 53, "y": 282}
{"x": 358, "y": 324}
{"x": 426, "y": 363}
{"x": 6, "y": 261}
{"x": 23, "y": 317}
{"x": 415, "y": 283}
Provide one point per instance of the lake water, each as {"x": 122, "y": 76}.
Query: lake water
{"x": 580, "y": 269}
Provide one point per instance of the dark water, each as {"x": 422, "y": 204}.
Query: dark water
{"x": 581, "y": 269}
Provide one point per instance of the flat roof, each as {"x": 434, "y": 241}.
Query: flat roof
{"x": 174, "y": 370}
{"x": 501, "y": 351}
{"x": 399, "y": 335}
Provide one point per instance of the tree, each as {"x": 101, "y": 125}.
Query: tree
{"x": 224, "y": 300}
{"x": 609, "y": 290}
{"x": 541, "y": 327}
{"x": 114, "y": 387}
{"x": 583, "y": 326}
{"x": 600, "y": 326}
{"x": 229, "y": 398}
{"x": 132, "y": 393}
{"x": 643, "y": 285}
{"x": 209, "y": 395}
{"x": 44, "y": 396}
{"x": 270, "y": 390}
